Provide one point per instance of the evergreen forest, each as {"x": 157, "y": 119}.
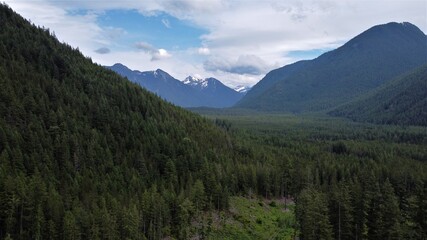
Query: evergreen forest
{"x": 86, "y": 154}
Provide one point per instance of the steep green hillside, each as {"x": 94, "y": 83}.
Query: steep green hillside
{"x": 362, "y": 64}
{"x": 85, "y": 154}
{"x": 403, "y": 101}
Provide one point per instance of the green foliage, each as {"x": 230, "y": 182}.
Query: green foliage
{"x": 247, "y": 219}
{"x": 343, "y": 174}
{"x": 402, "y": 101}
{"x": 312, "y": 215}
{"x": 341, "y": 212}
{"x": 339, "y": 148}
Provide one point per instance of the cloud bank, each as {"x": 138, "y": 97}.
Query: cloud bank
{"x": 244, "y": 65}
{"x": 244, "y": 39}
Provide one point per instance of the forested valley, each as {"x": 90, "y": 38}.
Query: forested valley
{"x": 86, "y": 154}
{"x": 349, "y": 180}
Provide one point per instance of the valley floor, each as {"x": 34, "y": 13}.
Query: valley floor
{"x": 369, "y": 175}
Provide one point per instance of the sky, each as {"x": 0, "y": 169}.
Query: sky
{"x": 235, "y": 41}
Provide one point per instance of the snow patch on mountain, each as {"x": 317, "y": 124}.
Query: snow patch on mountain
{"x": 196, "y": 81}
{"x": 242, "y": 89}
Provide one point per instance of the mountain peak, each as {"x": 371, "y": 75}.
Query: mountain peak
{"x": 196, "y": 81}
{"x": 402, "y": 26}
{"x": 159, "y": 73}
{"x": 191, "y": 79}
{"x": 391, "y": 32}
{"x": 120, "y": 66}
{"x": 407, "y": 24}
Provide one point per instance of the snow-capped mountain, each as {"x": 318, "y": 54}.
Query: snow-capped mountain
{"x": 194, "y": 81}
{"x": 205, "y": 84}
{"x": 214, "y": 90}
{"x": 213, "y": 83}
{"x": 192, "y": 92}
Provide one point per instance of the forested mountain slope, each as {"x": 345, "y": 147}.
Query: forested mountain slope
{"x": 86, "y": 154}
{"x": 365, "y": 62}
{"x": 402, "y": 101}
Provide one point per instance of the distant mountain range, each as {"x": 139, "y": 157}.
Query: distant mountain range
{"x": 377, "y": 77}
{"x": 192, "y": 92}
{"x": 364, "y": 63}
{"x": 402, "y": 101}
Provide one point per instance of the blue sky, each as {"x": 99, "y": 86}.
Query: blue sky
{"x": 160, "y": 30}
{"x": 235, "y": 41}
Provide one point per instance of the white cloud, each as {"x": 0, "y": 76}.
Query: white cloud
{"x": 160, "y": 54}
{"x": 203, "y": 51}
{"x": 238, "y": 30}
{"x": 156, "y": 54}
{"x": 189, "y": 8}
{"x": 79, "y": 30}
